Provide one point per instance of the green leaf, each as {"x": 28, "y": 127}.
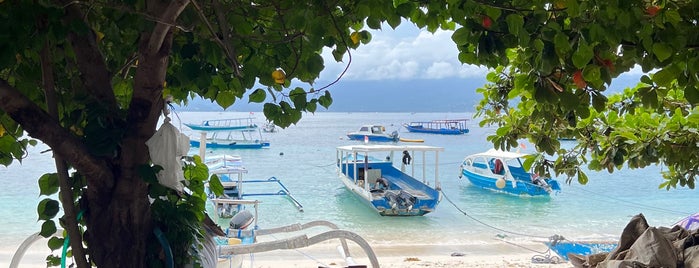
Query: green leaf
{"x": 311, "y": 106}
{"x": 298, "y": 97}
{"x": 258, "y": 96}
{"x": 225, "y": 98}
{"x": 599, "y": 102}
{"x": 47, "y": 209}
{"x": 662, "y": 51}
{"x": 691, "y": 94}
{"x": 562, "y": 44}
{"x": 315, "y": 64}
{"x": 215, "y": 185}
{"x": 55, "y": 243}
{"x": 583, "y": 55}
{"x": 325, "y": 100}
{"x": 461, "y": 36}
{"x": 48, "y": 228}
{"x": 48, "y": 184}
{"x": 664, "y": 77}
{"x": 515, "y": 23}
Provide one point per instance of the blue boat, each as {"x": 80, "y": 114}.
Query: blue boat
{"x": 502, "y": 171}
{"x": 235, "y": 133}
{"x": 444, "y": 127}
{"x": 375, "y": 133}
{"x": 565, "y": 247}
{"x": 370, "y": 172}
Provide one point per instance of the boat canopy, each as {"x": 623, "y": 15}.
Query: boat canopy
{"x": 501, "y": 154}
{"x": 388, "y": 148}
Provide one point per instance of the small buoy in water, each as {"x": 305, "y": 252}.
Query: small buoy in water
{"x": 281, "y": 153}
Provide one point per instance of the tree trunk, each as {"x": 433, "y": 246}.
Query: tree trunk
{"x": 119, "y": 220}
{"x": 119, "y": 225}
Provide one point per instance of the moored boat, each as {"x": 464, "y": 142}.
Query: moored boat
{"x": 375, "y": 133}
{"x": 504, "y": 172}
{"x": 370, "y": 172}
{"x": 563, "y": 247}
{"x": 445, "y": 127}
{"x": 231, "y": 172}
{"x": 235, "y": 133}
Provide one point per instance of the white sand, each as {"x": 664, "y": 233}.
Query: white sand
{"x": 496, "y": 254}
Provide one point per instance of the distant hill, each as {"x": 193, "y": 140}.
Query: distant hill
{"x": 443, "y": 95}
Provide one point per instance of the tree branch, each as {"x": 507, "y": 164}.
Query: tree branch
{"x": 225, "y": 33}
{"x": 164, "y": 24}
{"x": 90, "y": 62}
{"x": 64, "y": 181}
{"x": 41, "y": 126}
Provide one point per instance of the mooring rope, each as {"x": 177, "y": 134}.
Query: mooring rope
{"x": 486, "y": 224}
{"x": 545, "y": 257}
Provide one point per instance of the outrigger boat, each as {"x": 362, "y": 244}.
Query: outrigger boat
{"x": 368, "y": 171}
{"x": 375, "y": 133}
{"x": 504, "y": 172}
{"x": 446, "y": 127}
{"x": 230, "y": 171}
{"x": 235, "y": 133}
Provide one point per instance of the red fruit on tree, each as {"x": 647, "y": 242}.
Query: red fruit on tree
{"x": 652, "y": 10}
{"x": 579, "y": 80}
{"x": 486, "y": 22}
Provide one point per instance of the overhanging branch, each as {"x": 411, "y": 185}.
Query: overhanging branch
{"x": 41, "y": 126}
{"x": 164, "y": 24}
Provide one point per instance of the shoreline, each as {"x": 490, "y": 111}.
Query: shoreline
{"x": 327, "y": 254}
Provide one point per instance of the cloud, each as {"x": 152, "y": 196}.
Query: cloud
{"x": 402, "y": 54}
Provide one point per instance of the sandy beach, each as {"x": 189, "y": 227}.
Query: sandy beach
{"x": 496, "y": 254}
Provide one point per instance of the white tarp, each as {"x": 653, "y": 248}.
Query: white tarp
{"x": 166, "y": 148}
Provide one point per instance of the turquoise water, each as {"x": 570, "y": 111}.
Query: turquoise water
{"x": 302, "y": 157}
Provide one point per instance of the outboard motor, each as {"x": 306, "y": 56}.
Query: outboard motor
{"x": 394, "y": 134}
{"x": 406, "y": 200}
{"x": 242, "y": 220}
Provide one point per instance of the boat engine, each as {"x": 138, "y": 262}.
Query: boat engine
{"x": 401, "y": 200}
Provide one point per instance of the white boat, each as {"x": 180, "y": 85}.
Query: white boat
{"x": 269, "y": 127}
{"x": 373, "y": 133}
{"x": 502, "y": 171}
{"x": 369, "y": 171}
{"x": 234, "y": 133}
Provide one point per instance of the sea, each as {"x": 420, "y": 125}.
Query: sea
{"x": 302, "y": 157}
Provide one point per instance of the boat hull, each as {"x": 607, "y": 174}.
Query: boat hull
{"x": 443, "y": 127}
{"x": 375, "y": 138}
{"x": 563, "y": 248}
{"x": 516, "y": 187}
{"x": 231, "y": 144}
{"x": 442, "y": 131}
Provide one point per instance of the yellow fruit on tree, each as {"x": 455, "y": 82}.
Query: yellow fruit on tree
{"x": 355, "y": 37}
{"x": 2, "y": 131}
{"x": 100, "y": 36}
{"x": 279, "y": 76}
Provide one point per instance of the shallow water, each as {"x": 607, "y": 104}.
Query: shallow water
{"x": 302, "y": 157}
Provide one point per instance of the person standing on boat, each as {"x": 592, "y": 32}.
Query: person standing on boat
{"x": 406, "y": 160}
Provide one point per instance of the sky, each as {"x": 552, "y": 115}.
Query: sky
{"x": 405, "y": 53}
{"x": 400, "y": 70}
